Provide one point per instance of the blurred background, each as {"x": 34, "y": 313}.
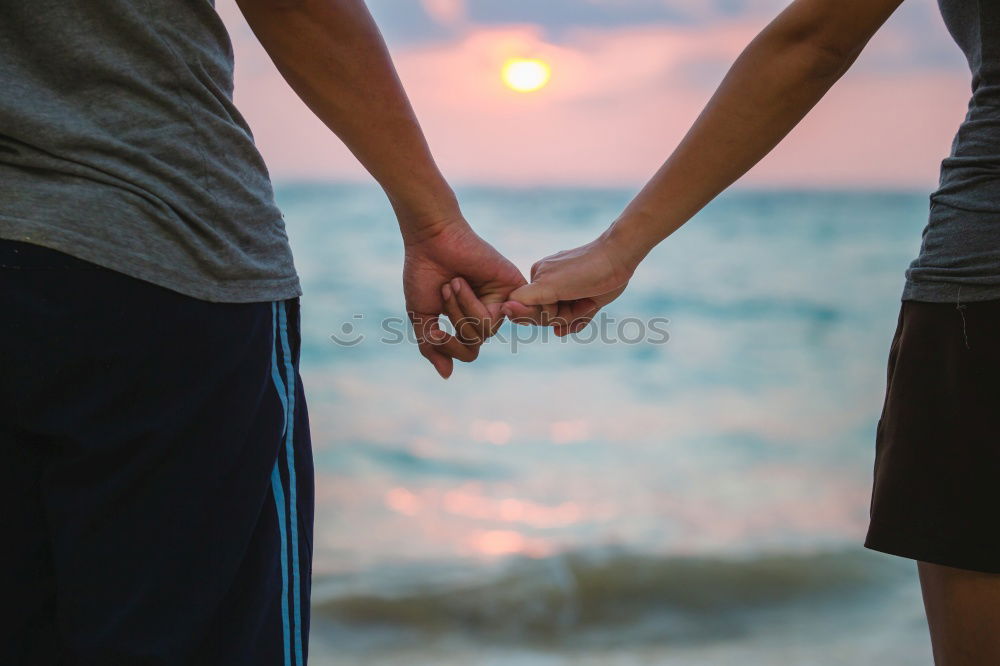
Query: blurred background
{"x": 699, "y": 500}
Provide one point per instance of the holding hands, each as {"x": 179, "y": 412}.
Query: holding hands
{"x": 435, "y": 257}
{"x": 457, "y": 274}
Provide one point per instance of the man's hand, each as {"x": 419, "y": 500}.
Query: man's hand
{"x": 568, "y": 288}
{"x": 440, "y": 255}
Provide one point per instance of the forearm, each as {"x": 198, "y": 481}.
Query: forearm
{"x": 333, "y": 56}
{"x": 774, "y": 83}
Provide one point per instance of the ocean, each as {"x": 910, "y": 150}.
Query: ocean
{"x": 688, "y": 485}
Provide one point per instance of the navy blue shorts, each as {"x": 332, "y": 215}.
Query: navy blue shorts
{"x": 156, "y": 476}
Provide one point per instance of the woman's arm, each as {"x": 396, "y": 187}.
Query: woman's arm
{"x": 774, "y": 83}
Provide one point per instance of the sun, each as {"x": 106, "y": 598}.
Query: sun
{"x": 526, "y": 74}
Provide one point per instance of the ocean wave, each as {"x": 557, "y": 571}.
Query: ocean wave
{"x": 684, "y": 597}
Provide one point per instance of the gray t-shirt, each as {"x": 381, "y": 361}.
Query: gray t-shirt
{"x": 120, "y": 145}
{"x": 960, "y": 254}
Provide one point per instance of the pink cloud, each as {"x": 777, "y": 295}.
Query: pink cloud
{"x": 446, "y": 12}
{"x": 618, "y": 102}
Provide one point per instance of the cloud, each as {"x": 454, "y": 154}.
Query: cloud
{"x": 446, "y": 12}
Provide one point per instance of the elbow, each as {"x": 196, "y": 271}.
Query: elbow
{"x": 820, "y": 48}
{"x": 824, "y": 59}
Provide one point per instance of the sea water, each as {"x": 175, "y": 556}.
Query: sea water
{"x": 697, "y": 496}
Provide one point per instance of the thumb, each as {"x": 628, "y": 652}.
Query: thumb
{"x": 536, "y": 293}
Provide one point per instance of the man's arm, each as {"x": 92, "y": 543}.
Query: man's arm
{"x": 333, "y": 56}
{"x": 774, "y": 83}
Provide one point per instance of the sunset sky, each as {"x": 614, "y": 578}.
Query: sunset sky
{"x": 627, "y": 79}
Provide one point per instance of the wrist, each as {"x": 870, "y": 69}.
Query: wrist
{"x": 426, "y": 214}
{"x": 628, "y": 241}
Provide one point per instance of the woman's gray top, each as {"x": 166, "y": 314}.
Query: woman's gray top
{"x": 960, "y": 254}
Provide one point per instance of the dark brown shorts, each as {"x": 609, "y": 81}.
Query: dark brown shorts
{"x": 937, "y": 463}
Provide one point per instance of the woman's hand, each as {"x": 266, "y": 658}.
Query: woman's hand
{"x": 568, "y": 288}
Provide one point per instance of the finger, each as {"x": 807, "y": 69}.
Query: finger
{"x": 443, "y": 364}
{"x": 423, "y": 324}
{"x": 582, "y": 310}
{"x": 448, "y": 345}
{"x": 465, "y": 328}
{"x": 536, "y": 293}
{"x": 575, "y": 327}
{"x": 427, "y": 331}
{"x": 550, "y": 314}
{"x": 556, "y": 315}
{"x": 581, "y": 323}
{"x": 473, "y": 309}
{"x": 570, "y": 311}
{"x": 519, "y": 313}
{"x": 454, "y": 348}
{"x": 574, "y": 316}
{"x": 497, "y": 316}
